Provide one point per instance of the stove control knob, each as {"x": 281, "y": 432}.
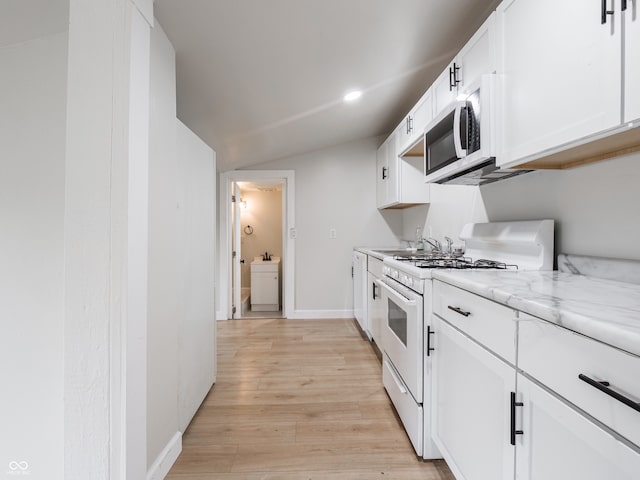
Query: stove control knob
{"x": 410, "y": 282}
{"x": 394, "y": 273}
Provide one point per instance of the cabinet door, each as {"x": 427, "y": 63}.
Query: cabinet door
{"x": 422, "y": 115}
{"x": 443, "y": 93}
{"x": 561, "y": 74}
{"x": 478, "y": 56}
{"x": 360, "y": 289}
{"x": 382, "y": 169}
{"x": 471, "y": 396}
{"x": 632, "y": 61}
{"x": 264, "y": 288}
{"x": 558, "y": 443}
{"x": 412, "y": 128}
{"x": 375, "y": 307}
{"x": 393, "y": 181}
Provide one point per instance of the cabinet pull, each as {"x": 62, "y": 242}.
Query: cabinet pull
{"x": 384, "y": 173}
{"x": 513, "y": 432}
{"x": 409, "y": 125}
{"x": 455, "y": 75}
{"x": 459, "y": 310}
{"x": 450, "y": 79}
{"x": 604, "y": 387}
{"x": 624, "y": 5}
{"x": 604, "y": 12}
{"x": 429, "y": 347}
{"x": 373, "y": 284}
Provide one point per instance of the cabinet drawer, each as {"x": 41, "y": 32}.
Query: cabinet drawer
{"x": 408, "y": 410}
{"x": 375, "y": 266}
{"x": 487, "y": 322}
{"x": 555, "y": 357}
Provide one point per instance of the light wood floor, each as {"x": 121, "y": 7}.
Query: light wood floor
{"x": 298, "y": 399}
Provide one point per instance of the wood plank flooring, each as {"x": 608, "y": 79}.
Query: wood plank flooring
{"x": 298, "y": 399}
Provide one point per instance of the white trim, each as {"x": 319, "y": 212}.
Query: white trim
{"x": 320, "y": 314}
{"x": 168, "y": 456}
{"x": 288, "y": 244}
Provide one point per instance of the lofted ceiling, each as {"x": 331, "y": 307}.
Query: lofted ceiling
{"x": 264, "y": 79}
{"x": 24, "y": 20}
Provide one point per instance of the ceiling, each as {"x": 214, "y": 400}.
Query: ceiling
{"x": 24, "y": 20}
{"x": 264, "y": 79}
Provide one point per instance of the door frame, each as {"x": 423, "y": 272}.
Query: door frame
{"x": 287, "y": 179}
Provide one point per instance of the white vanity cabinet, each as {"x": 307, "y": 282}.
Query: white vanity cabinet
{"x": 561, "y": 74}
{"x": 265, "y": 289}
{"x": 477, "y": 57}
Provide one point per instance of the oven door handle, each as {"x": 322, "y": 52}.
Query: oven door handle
{"x": 404, "y": 300}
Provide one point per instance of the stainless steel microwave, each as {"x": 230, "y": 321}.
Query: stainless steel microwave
{"x": 462, "y": 136}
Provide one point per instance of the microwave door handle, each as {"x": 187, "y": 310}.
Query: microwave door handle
{"x": 457, "y": 139}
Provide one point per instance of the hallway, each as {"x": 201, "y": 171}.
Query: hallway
{"x": 298, "y": 399}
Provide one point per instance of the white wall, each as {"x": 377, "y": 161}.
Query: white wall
{"x": 32, "y": 159}
{"x": 264, "y": 215}
{"x": 335, "y": 188}
{"x": 181, "y": 308}
{"x": 596, "y": 207}
{"x": 196, "y": 225}
{"x": 163, "y": 304}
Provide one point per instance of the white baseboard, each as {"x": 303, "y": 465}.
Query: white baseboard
{"x": 320, "y": 314}
{"x": 166, "y": 459}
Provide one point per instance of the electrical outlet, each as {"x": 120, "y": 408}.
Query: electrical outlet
{"x": 332, "y": 233}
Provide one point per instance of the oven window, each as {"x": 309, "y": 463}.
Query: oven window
{"x": 398, "y": 322}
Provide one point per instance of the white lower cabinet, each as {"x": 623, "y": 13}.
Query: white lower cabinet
{"x": 558, "y": 443}
{"x": 375, "y": 307}
{"x": 534, "y": 416}
{"x": 359, "y": 272}
{"x": 471, "y": 391}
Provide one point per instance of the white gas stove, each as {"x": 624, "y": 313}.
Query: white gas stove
{"x": 407, "y": 287}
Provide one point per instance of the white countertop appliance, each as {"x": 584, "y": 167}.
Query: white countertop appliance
{"x": 407, "y": 290}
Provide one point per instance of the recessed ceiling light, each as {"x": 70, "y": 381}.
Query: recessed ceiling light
{"x": 352, "y": 96}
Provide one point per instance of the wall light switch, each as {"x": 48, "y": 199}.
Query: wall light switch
{"x": 332, "y": 233}
{"x": 292, "y": 233}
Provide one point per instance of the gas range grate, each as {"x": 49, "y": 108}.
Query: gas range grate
{"x": 464, "y": 263}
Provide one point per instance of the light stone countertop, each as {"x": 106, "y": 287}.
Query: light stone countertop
{"x": 606, "y": 310}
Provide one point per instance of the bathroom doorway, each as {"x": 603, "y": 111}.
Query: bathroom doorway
{"x": 260, "y": 249}
{"x": 257, "y": 244}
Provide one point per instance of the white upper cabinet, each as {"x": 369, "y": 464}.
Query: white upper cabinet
{"x": 477, "y": 57}
{"x": 412, "y": 127}
{"x": 399, "y": 181}
{"x": 632, "y": 60}
{"x": 561, "y": 73}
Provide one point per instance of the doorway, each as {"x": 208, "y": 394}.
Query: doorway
{"x": 257, "y": 244}
{"x": 257, "y": 224}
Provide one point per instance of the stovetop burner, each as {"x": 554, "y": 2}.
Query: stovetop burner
{"x": 448, "y": 261}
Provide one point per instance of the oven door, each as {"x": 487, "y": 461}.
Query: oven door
{"x": 402, "y": 334}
